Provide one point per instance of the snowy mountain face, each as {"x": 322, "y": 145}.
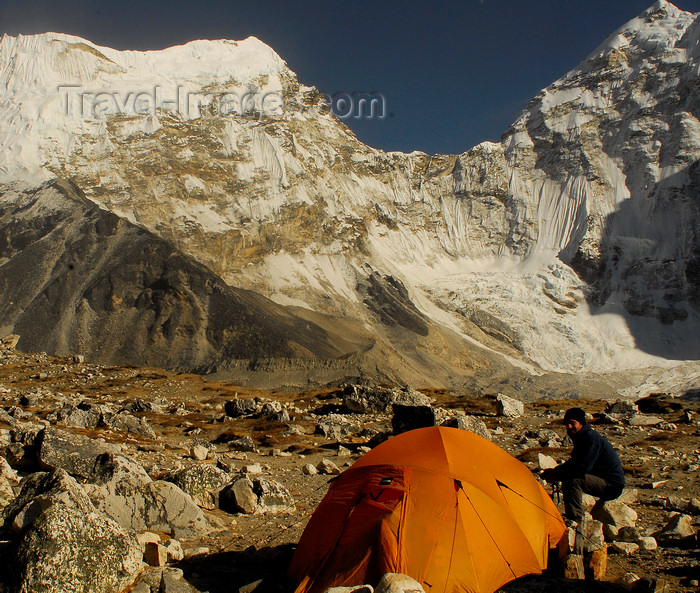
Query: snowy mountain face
{"x": 571, "y": 245}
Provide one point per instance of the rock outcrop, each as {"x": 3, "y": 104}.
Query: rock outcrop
{"x": 64, "y": 543}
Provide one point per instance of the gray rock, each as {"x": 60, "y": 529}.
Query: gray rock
{"x": 80, "y": 416}
{"x": 125, "y": 492}
{"x": 139, "y": 405}
{"x": 628, "y": 534}
{"x": 18, "y": 413}
{"x": 281, "y": 416}
{"x": 173, "y": 582}
{"x": 593, "y": 534}
{"x": 245, "y": 443}
{"x": 28, "y": 434}
{"x": 588, "y": 501}
{"x": 546, "y": 462}
{"x": 644, "y": 420}
{"x": 470, "y": 424}
{"x": 155, "y": 554}
{"x": 624, "y": 548}
{"x": 125, "y": 422}
{"x": 242, "y": 407}
{"x": 678, "y": 527}
{"x": 239, "y": 497}
{"x": 610, "y": 532}
{"x": 21, "y": 457}
{"x": 509, "y": 407}
{"x": 272, "y": 496}
{"x": 10, "y": 341}
{"x": 622, "y": 406}
{"x": 174, "y": 550}
{"x": 255, "y": 495}
{"x": 72, "y": 452}
{"x": 326, "y": 466}
{"x": 202, "y": 481}
{"x": 628, "y": 496}
{"x": 57, "y": 524}
{"x": 199, "y": 452}
{"x": 668, "y": 426}
{"x": 614, "y": 512}
{"x": 548, "y": 438}
{"x": 89, "y": 415}
{"x": 344, "y": 452}
{"x": 407, "y": 417}
{"x": 146, "y": 537}
{"x": 694, "y": 506}
{"x": 8, "y": 481}
{"x": 331, "y": 431}
{"x": 29, "y": 400}
{"x": 368, "y": 400}
{"x": 269, "y": 408}
{"x": 647, "y": 543}
{"x": 411, "y": 397}
{"x": 676, "y": 503}
{"x": 309, "y": 469}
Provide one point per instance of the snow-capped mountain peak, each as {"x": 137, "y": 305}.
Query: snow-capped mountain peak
{"x": 572, "y": 244}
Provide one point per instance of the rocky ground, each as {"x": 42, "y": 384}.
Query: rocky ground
{"x": 134, "y": 478}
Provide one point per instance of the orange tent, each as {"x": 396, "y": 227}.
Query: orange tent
{"x": 442, "y": 505}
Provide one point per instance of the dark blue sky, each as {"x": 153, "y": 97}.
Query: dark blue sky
{"x": 453, "y": 73}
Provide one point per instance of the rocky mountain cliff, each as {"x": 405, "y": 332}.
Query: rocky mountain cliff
{"x": 571, "y": 245}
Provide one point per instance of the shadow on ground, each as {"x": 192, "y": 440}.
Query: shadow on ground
{"x": 225, "y": 572}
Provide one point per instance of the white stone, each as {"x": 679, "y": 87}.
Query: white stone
{"x": 309, "y": 469}
{"x": 545, "y": 461}
{"x": 509, "y": 407}
{"x": 199, "y": 452}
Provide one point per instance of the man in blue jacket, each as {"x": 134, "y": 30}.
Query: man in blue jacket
{"x": 594, "y": 467}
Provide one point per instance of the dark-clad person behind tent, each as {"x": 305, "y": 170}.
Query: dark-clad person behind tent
{"x": 594, "y": 467}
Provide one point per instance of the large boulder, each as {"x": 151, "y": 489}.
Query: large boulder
{"x": 368, "y": 400}
{"x": 63, "y": 544}
{"x": 255, "y": 495}
{"x": 615, "y": 513}
{"x": 202, "y": 481}
{"x": 408, "y": 417}
{"x": 644, "y": 420}
{"x": 373, "y": 400}
{"x": 125, "y": 422}
{"x": 337, "y": 426}
{"x": 74, "y": 453}
{"x": 470, "y": 424}
{"x": 123, "y": 490}
{"x": 509, "y": 407}
{"x": 622, "y": 406}
{"x": 89, "y": 415}
{"x": 236, "y": 408}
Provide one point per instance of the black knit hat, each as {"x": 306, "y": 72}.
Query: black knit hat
{"x": 575, "y": 414}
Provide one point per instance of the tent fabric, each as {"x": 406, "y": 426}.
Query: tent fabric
{"x": 442, "y": 505}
